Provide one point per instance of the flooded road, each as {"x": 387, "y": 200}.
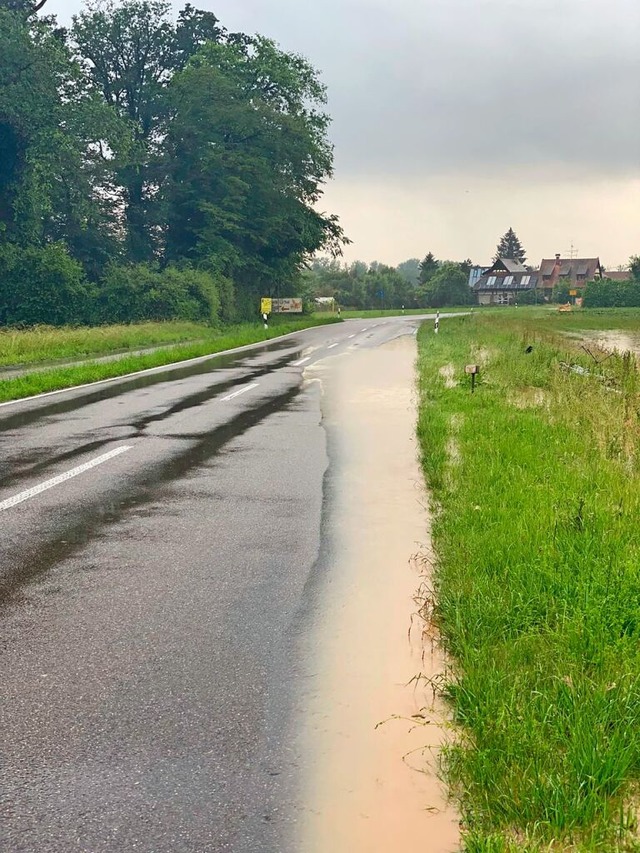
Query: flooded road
{"x": 371, "y": 782}
{"x": 176, "y": 549}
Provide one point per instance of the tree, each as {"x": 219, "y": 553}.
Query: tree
{"x": 428, "y": 268}
{"x": 634, "y": 266}
{"x": 448, "y": 286}
{"x": 410, "y": 270}
{"x": 131, "y": 52}
{"x": 51, "y": 130}
{"x": 22, "y": 7}
{"x": 249, "y": 152}
{"x": 510, "y": 248}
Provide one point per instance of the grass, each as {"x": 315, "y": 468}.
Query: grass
{"x": 69, "y": 376}
{"x": 348, "y": 314}
{"x": 46, "y": 343}
{"x": 536, "y": 487}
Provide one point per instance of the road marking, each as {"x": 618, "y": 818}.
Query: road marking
{"x": 150, "y": 370}
{"x": 302, "y": 361}
{"x": 352, "y": 336}
{"x": 237, "y": 393}
{"x": 364, "y": 330}
{"x": 62, "y": 478}
{"x": 331, "y": 346}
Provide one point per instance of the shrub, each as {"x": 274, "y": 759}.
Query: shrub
{"x": 605, "y": 293}
{"x": 42, "y": 285}
{"x": 137, "y": 292}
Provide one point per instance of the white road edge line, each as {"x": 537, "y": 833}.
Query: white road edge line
{"x": 62, "y": 478}
{"x": 302, "y": 361}
{"x": 331, "y": 346}
{"x": 159, "y": 369}
{"x": 237, "y": 393}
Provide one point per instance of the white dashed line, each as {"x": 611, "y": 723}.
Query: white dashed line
{"x": 62, "y": 478}
{"x": 352, "y": 336}
{"x": 237, "y": 393}
{"x": 302, "y": 361}
{"x": 364, "y": 330}
{"x": 331, "y": 346}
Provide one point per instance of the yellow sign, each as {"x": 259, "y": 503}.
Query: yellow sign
{"x": 573, "y": 293}
{"x": 265, "y": 305}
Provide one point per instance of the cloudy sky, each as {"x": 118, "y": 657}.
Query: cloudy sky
{"x": 455, "y": 119}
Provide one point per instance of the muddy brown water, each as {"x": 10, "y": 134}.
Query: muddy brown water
{"x": 612, "y": 340}
{"x": 372, "y": 783}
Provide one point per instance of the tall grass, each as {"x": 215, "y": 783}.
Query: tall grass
{"x": 536, "y": 484}
{"x": 46, "y": 343}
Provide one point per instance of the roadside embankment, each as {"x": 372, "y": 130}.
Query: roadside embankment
{"x": 536, "y": 486}
{"x": 29, "y": 349}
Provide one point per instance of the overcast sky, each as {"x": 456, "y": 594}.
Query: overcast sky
{"x": 456, "y": 119}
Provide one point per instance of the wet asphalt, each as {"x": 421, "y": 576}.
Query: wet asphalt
{"x": 153, "y": 606}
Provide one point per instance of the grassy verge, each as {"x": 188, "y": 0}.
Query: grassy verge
{"x": 45, "y": 343}
{"x": 68, "y": 377}
{"x": 536, "y": 484}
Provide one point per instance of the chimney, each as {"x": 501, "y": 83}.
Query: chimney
{"x": 557, "y": 256}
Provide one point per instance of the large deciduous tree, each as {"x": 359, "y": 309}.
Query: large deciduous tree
{"x": 51, "y": 129}
{"x": 448, "y": 286}
{"x": 132, "y": 51}
{"x": 510, "y": 248}
{"x": 249, "y": 154}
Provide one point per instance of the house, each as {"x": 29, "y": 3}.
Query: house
{"x": 573, "y": 272}
{"x": 474, "y": 274}
{"x": 617, "y": 275}
{"x": 503, "y": 282}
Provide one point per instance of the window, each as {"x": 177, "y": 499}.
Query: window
{"x": 508, "y": 281}
{"x": 502, "y": 298}
{"x": 524, "y": 281}
{"x": 491, "y": 281}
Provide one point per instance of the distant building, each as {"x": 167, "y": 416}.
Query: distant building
{"x": 617, "y": 275}
{"x": 325, "y": 303}
{"x": 501, "y": 283}
{"x": 574, "y": 272}
{"x": 474, "y": 274}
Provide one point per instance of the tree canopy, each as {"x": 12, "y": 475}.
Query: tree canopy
{"x": 139, "y": 139}
{"x": 510, "y": 248}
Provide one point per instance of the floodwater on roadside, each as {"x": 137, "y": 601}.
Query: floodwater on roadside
{"x": 371, "y": 768}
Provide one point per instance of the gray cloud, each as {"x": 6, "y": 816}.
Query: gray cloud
{"x": 454, "y": 119}
{"x": 419, "y": 88}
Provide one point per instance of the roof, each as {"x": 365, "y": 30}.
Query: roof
{"x": 508, "y": 265}
{"x": 512, "y": 281}
{"x": 570, "y": 266}
{"x": 513, "y": 266}
{"x": 618, "y": 275}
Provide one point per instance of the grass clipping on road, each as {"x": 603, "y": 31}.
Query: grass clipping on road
{"x": 536, "y": 487}
{"x": 98, "y": 340}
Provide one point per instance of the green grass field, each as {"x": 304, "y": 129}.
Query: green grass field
{"x": 67, "y": 343}
{"x": 348, "y": 314}
{"x": 536, "y": 487}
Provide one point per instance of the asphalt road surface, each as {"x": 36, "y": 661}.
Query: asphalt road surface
{"x": 158, "y": 564}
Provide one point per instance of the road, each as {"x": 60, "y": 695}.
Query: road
{"x": 158, "y": 564}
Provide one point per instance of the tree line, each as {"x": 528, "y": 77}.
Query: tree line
{"x": 429, "y": 283}
{"x": 153, "y": 167}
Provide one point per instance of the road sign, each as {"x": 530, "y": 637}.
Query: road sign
{"x": 290, "y": 305}
{"x": 265, "y": 305}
